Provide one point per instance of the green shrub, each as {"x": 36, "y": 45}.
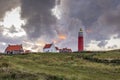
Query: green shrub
{"x": 4, "y": 64}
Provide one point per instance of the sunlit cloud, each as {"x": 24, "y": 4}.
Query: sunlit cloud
{"x": 110, "y": 44}
{"x": 56, "y": 12}
{"x": 12, "y": 20}
{"x": 34, "y": 46}
{"x": 113, "y": 42}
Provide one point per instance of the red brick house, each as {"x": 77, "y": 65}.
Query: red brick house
{"x": 65, "y": 50}
{"x": 14, "y": 49}
{"x": 27, "y": 51}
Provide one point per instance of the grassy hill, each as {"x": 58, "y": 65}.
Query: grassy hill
{"x": 74, "y": 66}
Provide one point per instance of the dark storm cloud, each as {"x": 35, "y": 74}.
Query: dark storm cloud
{"x": 6, "y": 5}
{"x": 112, "y": 20}
{"x": 89, "y": 10}
{"x": 39, "y": 17}
{"x": 100, "y": 17}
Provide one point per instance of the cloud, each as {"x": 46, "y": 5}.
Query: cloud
{"x": 5, "y": 40}
{"x": 100, "y": 17}
{"x": 102, "y": 44}
{"x": 39, "y": 18}
{"x": 6, "y": 5}
{"x": 112, "y": 47}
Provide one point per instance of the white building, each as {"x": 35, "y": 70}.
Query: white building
{"x": 50, "y": 48}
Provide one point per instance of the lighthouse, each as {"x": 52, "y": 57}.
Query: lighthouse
{"x": 80, "y": 40}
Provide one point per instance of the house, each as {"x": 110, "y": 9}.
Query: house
{"x": 27, "y": 51}
{"x": 14, "y": 49}
{"x": 50, "y": 48}
{"x": 65, "y": 50}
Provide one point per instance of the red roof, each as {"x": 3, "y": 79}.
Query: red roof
{"x": 47, "y": 46}
{"x": 14, "y": 48}
{"x": 66, "y": 50}
{"x": 57, "y": 48}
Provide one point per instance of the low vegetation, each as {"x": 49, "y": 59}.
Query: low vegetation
{"x": 54, "y": 66}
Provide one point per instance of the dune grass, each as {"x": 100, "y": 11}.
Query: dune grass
{"x": 45, "y": 66}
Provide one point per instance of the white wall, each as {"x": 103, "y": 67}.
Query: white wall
{"x": 14, "y": 52}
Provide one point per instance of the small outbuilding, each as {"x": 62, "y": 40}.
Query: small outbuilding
{"x": 65, "y": 50}
{"x": 14, "y": 49}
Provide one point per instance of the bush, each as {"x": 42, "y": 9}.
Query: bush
{"x": 17, "y": 75}
{"x": 55, "y": 78}
{"x": 4, "y": 64}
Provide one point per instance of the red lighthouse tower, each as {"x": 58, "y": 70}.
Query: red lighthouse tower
{"x": 80, "y": 41}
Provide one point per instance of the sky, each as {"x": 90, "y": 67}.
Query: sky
{"x": 34, "y": 23}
